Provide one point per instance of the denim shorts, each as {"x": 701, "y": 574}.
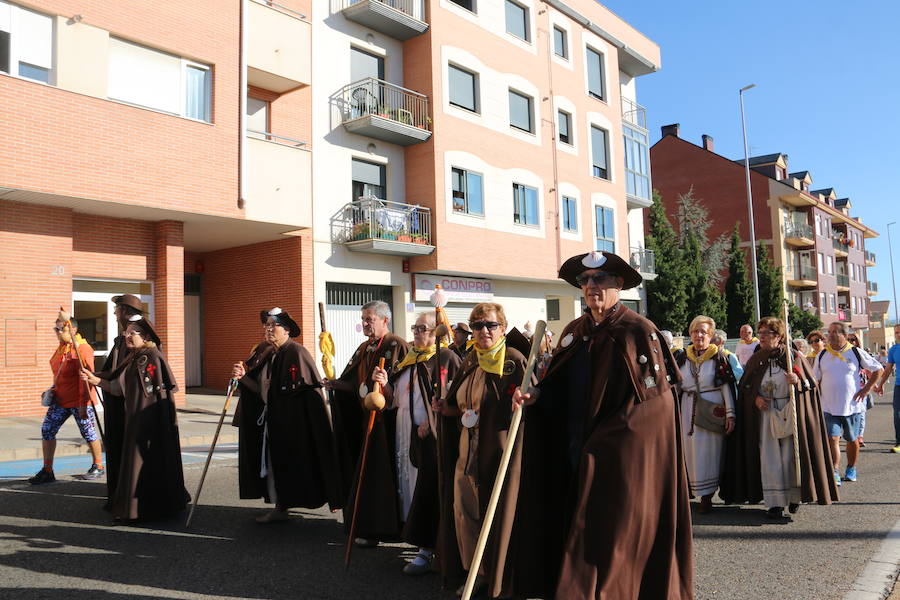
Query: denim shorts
{"x": 847, "y": 425}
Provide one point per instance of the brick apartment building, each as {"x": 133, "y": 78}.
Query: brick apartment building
{"x": 477, "y": 145}
{"x": 811, "y": 234}
{"x": 120, "y": 171}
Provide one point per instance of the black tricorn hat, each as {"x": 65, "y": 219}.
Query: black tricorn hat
{"x": 282, "y": 318}
{"x": 604, "y": 261}
{"x": 516, "y": 339}
{"x": 130, "y": 301}
{"x": 148, "y": 331}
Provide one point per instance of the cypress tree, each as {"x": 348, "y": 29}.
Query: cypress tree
{"x": 704, "y": 297}
{"x": 771, "y": 292}
{"x": 738, "y": 288}
{"x": 666, "y": 295}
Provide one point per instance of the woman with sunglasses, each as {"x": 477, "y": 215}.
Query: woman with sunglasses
{"x": 480, "y": 398}
{"x": 816, "y": 343}
{"x": 409, "y": 392}
{"x": 151, "y": 479}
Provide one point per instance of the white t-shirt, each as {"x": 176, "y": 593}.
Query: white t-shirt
{"x": 745, "y": 350}
{"x": 839, "y": 380}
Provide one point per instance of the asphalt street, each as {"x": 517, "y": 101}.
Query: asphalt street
{"x": 55, "y": 541}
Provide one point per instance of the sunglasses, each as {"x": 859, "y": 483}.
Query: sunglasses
{"x": 479, "y": 325}
{"x": 59, "y": 329}
{"x": 420, "y": 328}
{"x": 598, "y": 278}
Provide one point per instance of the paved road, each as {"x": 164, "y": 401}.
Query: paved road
{"x": 55, "y": 539}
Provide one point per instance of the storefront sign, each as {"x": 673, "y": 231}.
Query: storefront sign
{"x": 458, "y": 289}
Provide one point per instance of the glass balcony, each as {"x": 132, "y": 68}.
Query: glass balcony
{"x": 384, "y": 111}
{"x": 400, "y": 19}
{"x": 801, "y": 276}
{"x": 634, "y": 114}
{"x": 644, "y": 261}
{"x": 872, "y": 287}
{"x": 799, "y": 234}
{"x": 840, "y": 246}
{"x": 383, "y": 227}
{"x": 843, "y": 280}
{"x": 870, "y": 258}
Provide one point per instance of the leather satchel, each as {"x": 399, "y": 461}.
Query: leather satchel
{"x": 709, "y": 415}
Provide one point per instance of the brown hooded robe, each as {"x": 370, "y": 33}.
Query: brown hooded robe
{"x": 113, "y": 418}
{"x": 617, "y": 512}
{"x": 742, "y": 481}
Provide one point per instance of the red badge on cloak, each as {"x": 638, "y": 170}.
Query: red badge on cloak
{"x": 444, "y": 376}
{"x": 511, "y": 389}
{"x": 151, "y": 371}
{"x": 293, "y": 369}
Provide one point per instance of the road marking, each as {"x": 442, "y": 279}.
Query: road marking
{"x": 878, "y": 577}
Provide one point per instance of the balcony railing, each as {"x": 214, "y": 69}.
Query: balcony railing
{"x": 843, "y": 280}
{"x": 870, "y": 258}
{"x": 798, "y": 230}
{"x": 633, "y": 113}
{"x": 383, "y": 227}
{"x": 845, "y": 314}
{"x": 385, "y": 111}
{"x": 872, "y": 286}
{"x": 400, "y": 19}
{"x": 801, "y": 273}
{"x": 643, "y": 260}
{"x": 839, "y": 245}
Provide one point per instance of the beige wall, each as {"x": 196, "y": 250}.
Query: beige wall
{"x": 82, "y": 52}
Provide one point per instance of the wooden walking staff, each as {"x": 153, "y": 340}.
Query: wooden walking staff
{"x": 512, "y": 437}
{"x": 789, "y": 355}
{"x": 441, "y": 328}
{"x": 374, "y": 401}
{"x": 232, "y": 386}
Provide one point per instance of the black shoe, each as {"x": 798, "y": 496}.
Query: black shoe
{"x": 42, "y": 476}
{"x": 793, "y": 508}
{"x": 776, "y": 512}
{"x": 95, "y": 472}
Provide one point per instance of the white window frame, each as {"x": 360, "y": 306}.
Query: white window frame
{"x": 476, "y": 91}
{"x": 185, "y": 63}
{"x": 571, "y": 127}
{"x": 112, "y": 328}
{"x": 830, "y": 264}
{"x": 821, "y": 262}
{"x": 606, "y": 150}
{"x": 14, "y": 45}
{"x": 531, "y": 120}
{"x": 596, "y": 223}
{"x": 526, "y": 14}
{"x": 466, "y": 173}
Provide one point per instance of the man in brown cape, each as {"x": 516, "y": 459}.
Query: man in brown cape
{"x": 379, "y": 509}
{"x": 618, "y": 521}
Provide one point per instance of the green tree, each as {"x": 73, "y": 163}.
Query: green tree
{"x": 802, "y": 321}
{"x": 693, "y": 219}
{"x": 704, "y": 297}
{"x": 771, "y": 292}
{"x": 738, "y": 287}
{"x": 667, "y": 299}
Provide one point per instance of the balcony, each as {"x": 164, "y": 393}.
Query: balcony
{"x": 278, "y": 47}
{"x": 645, "y": 262}
{"x": 400, "y": 19}
{"x": 871, "y": 288}
{"x": 634, "y": 114}
{"x": 870, "y": 258}
{"x": 844, "y": 315}
{"x": 840, "y": 247}
{"x": 843, "y": 282}
{"x": 383, "y": 227}
{"x": 279, "y": 179}
{"x": 799, "y": 234}
{"x": 384, "y": 111}
{"x": 802, "y": 276}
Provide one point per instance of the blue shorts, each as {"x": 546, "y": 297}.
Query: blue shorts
{"x": 57, "y": 415}
{"x": 847, "y": 425}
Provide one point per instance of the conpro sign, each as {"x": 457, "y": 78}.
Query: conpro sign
{"x": 458, "y": 289}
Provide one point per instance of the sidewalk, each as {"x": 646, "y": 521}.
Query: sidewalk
{"x": 20, "y": 437}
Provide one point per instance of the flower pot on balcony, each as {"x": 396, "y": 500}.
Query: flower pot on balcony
{"x": 404, "y": 238}
{"x": 418, "y": 239}
{"x": 360, "y": 231}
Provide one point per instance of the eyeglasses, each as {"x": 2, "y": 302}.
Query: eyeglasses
{"x": 133, "y": 332}
{"x": 598, "y": 278}
{"x": 273, "y": 325}
{"x": 59, "y": 329}
{"x": 479, "y": 325}
{"x": 420, "y": 328}
{"x": 765, "y": 333}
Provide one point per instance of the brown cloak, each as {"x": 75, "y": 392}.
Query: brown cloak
{"x": 250, "y": 428}
{"x": 379, "y": 505}
{"x": 300, "y": 444}
{"x": 742, "y": 481}
{"x": 150, "y": 478}
{"x": 422, "y": 522}
{"x": 113, "y": 418}
{"x": 617, "y": 512}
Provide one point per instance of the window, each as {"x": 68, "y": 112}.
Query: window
{"x": 26, "y": 43}
{"x": 560, "y": 42}
{"x": 599, "y": 152}
{"x": 517, "y": 20}
{"x": 821, "y": 261}
{"x": 637, "y": 163}
{"x": 463, "y": 88}
{"x": 553, "y": 309}
{"x": 564, "y": 127}
{"x": 570, "y": 213}
{"x": 831, "y": 265}
{"x": 525, "y": 205}
{"x": 520, "y": 112}
{"x": 822, "y": 307}
{"x": 468, "y": 194}
{"x": 257, "y": 118}
{"x": 831, "y": 304}
{"x": 466, "y": 4}
{"x": 364, "y": 65}
{"x": 153, "y": 79}
{"x": 853, "y": 305}
{"x": 819, "y": 224}
{"x": 604, "y": 229}
{"x": 595, "y": 74}
{"x": 368, "y": 180}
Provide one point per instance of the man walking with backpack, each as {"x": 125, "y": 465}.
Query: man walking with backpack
{"x": 838, "y": 369}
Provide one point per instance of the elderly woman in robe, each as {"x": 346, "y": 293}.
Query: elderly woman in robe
{"x": 707, "y": 409}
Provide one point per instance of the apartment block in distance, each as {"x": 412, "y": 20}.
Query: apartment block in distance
{"x": 810, "y": 233}
{"x": 475, "y": 144}
{"x": 159, "y": 149}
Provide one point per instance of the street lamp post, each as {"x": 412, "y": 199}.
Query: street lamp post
{"x": 893, "y": 283}
{"x": 750, "y": 204}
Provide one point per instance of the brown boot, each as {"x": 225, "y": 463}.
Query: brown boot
{"x": 705, "y": 504}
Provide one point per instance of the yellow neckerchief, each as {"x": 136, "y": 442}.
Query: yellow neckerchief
{"x": 66, "y": 347}
{"x": 839, "y": 353}
{"x": 754, "y": 340}
{"x": 469, "y": 344}
{"x": 710, "y": 352}
{"x": 417, "y": 355}
{"x": 491, "y": 359}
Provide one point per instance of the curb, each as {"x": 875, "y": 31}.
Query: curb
{"x": 880, "y": 574}
{"x": 82, "y": 448}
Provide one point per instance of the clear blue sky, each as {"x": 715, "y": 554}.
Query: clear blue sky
{"x": 828, "y": 92}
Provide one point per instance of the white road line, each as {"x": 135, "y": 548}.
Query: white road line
{"x": 877, "y": 579}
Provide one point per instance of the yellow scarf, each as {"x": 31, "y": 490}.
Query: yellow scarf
{"x": 710, "y": 352}
{"x": 839, "y": 353}
{"x": 754, "y": 340}
{"x": 491, "y": 360}
{"x": 417, "y": 355}
{"x": 66, "y": 347}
